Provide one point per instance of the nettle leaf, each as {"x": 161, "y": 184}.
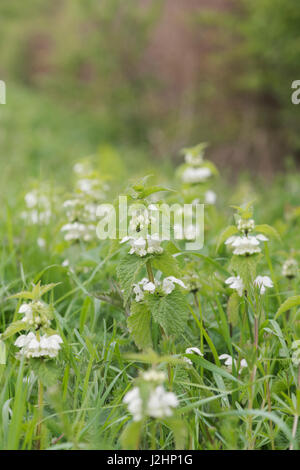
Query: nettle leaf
{"x": 14, "y": 328}
{"x": 228, "y": 232}
{"x": 128, "y": 271}
{"x": 233, "y": 308}
{"x": 245, "y": 267}
{"x": 288, "y": 304}
{"x": 167, "y": 264}
{"x": 171, "y": 311}
{"x": 139, "y": 325}
{"x": 46, "y": 371}
{"x": 268, "y": 230}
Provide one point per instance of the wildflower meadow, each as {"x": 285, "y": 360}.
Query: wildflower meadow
{"x": 161, "y": 327}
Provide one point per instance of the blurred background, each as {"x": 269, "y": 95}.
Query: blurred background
{"x": 145, "y": 78}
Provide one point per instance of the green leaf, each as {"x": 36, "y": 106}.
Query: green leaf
{"x": 268, "y": 230}
{"x": 171, "y": 311}
{"x": 139, "y": 325}
{"x": 167, "y": 264}
{"x": 14, "y": 328}
{"x": 288, "y": 304}
{"x": 131, "y": 435}
{"x": 233, "y": 308}
{"x": 46, "y": 371}
{"x": 128, "y": 271}
{"x": 228, "y": 232}
{"x": 245, "y": 267}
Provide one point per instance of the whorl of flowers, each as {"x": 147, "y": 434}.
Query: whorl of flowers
{"x": 290, "y": 268}
{"x": 155, "y": 403}
{"x": 39, "y": 340}
{"x": 32, "y": 345}
{"x": 38, "y": 206}
{"x": 196, "y": 170}
{"x": 262, "y": 282}
{"x": 141, "y": 239}
{"x": 245, "y": 244}
{"x": 229, "y": 360}
{"x": 164, "y": 287}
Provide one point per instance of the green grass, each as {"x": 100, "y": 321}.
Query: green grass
{"x": 81, "y": 406}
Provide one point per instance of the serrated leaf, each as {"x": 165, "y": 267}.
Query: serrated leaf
{"x": 171, "y": 311}
{"x": 128, "y": 271}
{"x": 46, "y": 371}
{"x": 245, "y": 267}
{"x": 139, "y": 325}
{"x": 167, "y": 264}
{"x": 288, "y": 304}
{"x": 268, "y": 230}
{"x": 228, "y": 232}
{"x": 14, "y": 328}
{"x": 233, "y": 308}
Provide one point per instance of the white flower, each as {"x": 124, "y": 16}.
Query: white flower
{"x": 153, "y": 375}
{"x": 79, "y": 231}
{"x": 159, "y": 405}
{"x": 41, "y": 242}
{"x": 27, "y": 310}
{"x": 262, "y": 282}
{"x": 134, "y": 402}
{"x": 246, "y": 245}
{"x": 210, "y": 197}
{"x": 196, "y": 175}
{"x": 290, "y": 268}
{"x": 45, "y": 346}
{"x": 154, "y": 244}
{"x": 193, "y": 159}
{"x": 246, "y": 225}
{"x": 138, "y": 246}
{"x": 192, "y": 350}
{"x": 229, "y": 360}
{"x": 168, "y": 284}
{"x": 143, "y": 246}
{"x": 235, "y": 282}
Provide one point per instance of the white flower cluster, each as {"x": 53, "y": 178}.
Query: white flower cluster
{"x": 166, "y": 287}
{"x": 229, "y": 360}
{"x": 290, "y": 268}
{"x": 153, "y": 375}
{"x": 262, "y": 282}
{"x": 142, "y": 246}
{"x": 79, "y": 231}
{"x": 193, "y": 175}
{"x": 246, "y": 244}
{"x": 160, "y": 403}
{"x": 38, "y": 208}
{"x": 192, "y": 350}
{"x": 36, "y": 314}
{"x": 246, "y": 225}
{"x": 142, "y": 218}
{"x": 32, "y": 346}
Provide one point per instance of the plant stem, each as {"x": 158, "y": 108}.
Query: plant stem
{"x": 40, "y": 414}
